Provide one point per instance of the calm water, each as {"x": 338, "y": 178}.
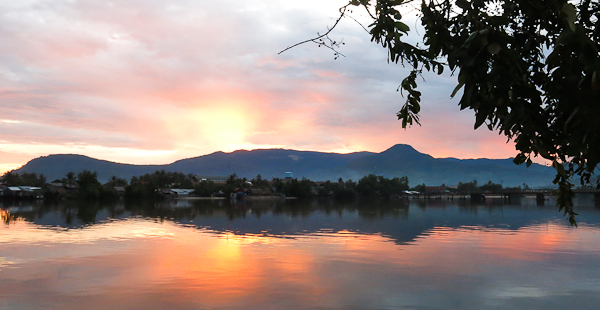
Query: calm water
{"x": 299, "y": 255}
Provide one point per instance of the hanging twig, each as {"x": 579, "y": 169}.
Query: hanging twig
{"x": 331, "y": 44}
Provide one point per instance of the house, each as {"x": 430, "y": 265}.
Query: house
{"x": 71, "y": 188}
{"x": 318, "y": 187}
{"x": 260, "y": 192}
{"x": 119, "y": 189}
{"x": 239, "y": 193}
{"x": 56, "y": 188}
{"x": 436, "y": 190}
{"x": 165, "y": 191}
{"x": 217, "y": 180}
{"x": 14, "y": 191}
{"x": 31, "y": 192}
{"x": 181, "y": 192}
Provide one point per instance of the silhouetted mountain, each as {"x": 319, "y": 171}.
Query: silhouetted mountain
{"x": 268, "y": 163}
{"x": 57, "y": 167}
{"x": 420, "y": 168}
{"x": 399, "y": 160}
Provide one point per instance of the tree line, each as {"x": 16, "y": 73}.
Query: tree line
{"x": 85, "y": 185}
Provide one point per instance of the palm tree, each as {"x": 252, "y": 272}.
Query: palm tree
{"x": 10, "y": 178}
{"x": 70, "y": 179}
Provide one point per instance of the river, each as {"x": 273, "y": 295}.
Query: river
{"x": 319, "y": 254}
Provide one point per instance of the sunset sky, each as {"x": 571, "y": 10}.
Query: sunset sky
{"x": 153, "y": 81}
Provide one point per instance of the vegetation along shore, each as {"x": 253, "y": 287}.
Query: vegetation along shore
{"x": 161, "y": 184}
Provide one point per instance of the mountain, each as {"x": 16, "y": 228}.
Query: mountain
{"x": 397, "y": 161}
{"x": 420, "y": 168}
{"x": 269, "y": 163}
{"x": 57, "y": 167}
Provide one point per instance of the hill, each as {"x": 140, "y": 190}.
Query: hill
{"x": 399, "y": 160}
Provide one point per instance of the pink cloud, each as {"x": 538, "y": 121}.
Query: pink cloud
{"x": 147, "y": 75}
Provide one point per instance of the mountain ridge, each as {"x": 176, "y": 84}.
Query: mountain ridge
{"x": 397, "y": 161}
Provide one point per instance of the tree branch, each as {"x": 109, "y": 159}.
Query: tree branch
{"x": 319, "y": 38}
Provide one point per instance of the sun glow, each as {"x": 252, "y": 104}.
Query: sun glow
{"x": 7, "y": 167}
{"x": 222, "y": 125}
{"x": 9, "y": 121}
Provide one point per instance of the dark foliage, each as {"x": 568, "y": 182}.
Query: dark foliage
{"x": 529, "y": 69}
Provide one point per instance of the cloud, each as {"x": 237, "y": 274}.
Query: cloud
{"x": 193, "y": 77}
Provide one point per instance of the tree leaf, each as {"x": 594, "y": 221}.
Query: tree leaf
{"x": 480, "y": 117}
{"x": 402, "y": 27}
{"x": 571, "y": 13}
{"x": 456, "y": 89}
{"x": 494, "y": 48}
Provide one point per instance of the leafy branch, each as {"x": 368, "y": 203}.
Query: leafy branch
{"x": 529, "y": 69}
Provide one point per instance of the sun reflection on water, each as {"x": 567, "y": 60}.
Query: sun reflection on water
{"x": 152, "y": 264}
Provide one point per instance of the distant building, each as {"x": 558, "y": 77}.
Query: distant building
{"x": 182, "y": 191}
{"x": 31, "y": 191}
{"x": 435, "y": 189}
{"x": 261, "y": 192}
{"x": 14, "y": 191}
{"x": 175, "y": 191}
{"x": 215, "y": 179}
{"x": 288, "y": 175}
{"x": 57, "y": 188}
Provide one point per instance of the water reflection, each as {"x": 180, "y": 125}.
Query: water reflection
{"x": 298, "y": 255}
{"x": 401, "y": 220}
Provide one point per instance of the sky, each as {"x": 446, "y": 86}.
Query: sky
{"x": 154, "y": 81}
